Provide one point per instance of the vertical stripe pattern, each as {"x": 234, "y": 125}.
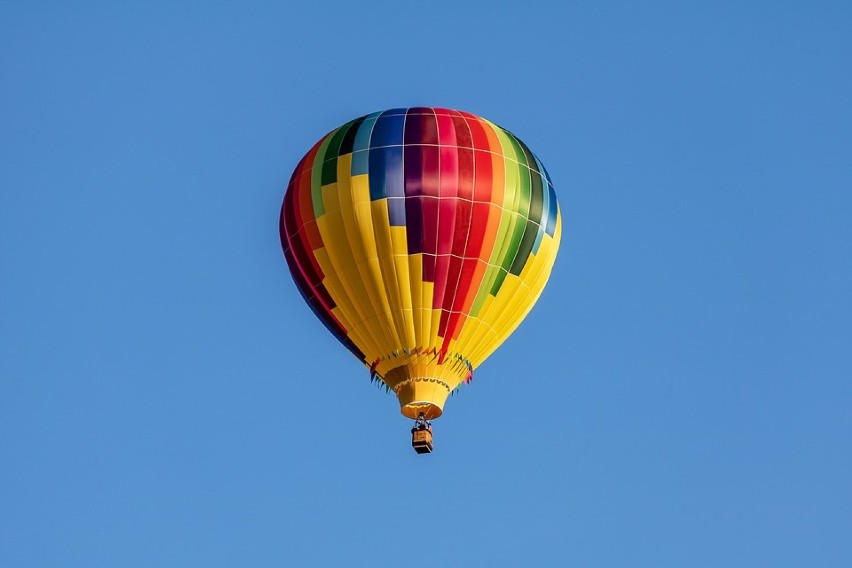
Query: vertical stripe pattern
{"x": 420, "y": 238}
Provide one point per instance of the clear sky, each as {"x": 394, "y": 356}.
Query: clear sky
{"x": 680, "y": 396}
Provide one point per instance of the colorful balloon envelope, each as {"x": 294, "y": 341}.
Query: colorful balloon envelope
{"x": 421, "y": 238}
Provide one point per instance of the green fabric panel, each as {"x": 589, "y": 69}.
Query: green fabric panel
{"x": 316, "y": 178}
{"x": 522, "y": 206}
{"x": 532, "y": 209}
{"x": 484, "y": 290}
{"x": 329, "y": 163}
{"x": 538, "y": 186}
{"x": 494, "y": 262}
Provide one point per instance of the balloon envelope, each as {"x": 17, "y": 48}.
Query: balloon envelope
{"x": 421, "y": 238}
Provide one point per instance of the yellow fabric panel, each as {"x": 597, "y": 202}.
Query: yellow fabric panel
{"x": 344, "y": 280}
{"x": 374, "y": 279}
{"x": 494, "y": 315}
{"x": 434, "y": 339}
{"x": 337, "y": 245}
{"x": 381, "y": 228}
{"x": 371, "y": 275}
{"x": 360, "y": 188}
{"x": 344, "y": 310}
{"x": 399, "y": 240}
{"x": 475, "y": 330}
{"x": 486, "y": 338}
{"x": 501, "y": 315}
{"x": 427, "y": 290}
{"x": 357, "y": 219}
{"x": 347, "y": 316}
{"x": 509, "y": 316}
{"x": 415, "y": 280}
{"x": 532, "y": 281}
{"x": 542, "y": 264}
{"x": 401, "y": 291}
{"x": 365, "y": 234}
{"x": 402, "y": 271}
{"x": 356, "y": 334}
{"x": 382, "y": 320}
{"x": 346, "y": 200}
{"x": 498, "y": 308}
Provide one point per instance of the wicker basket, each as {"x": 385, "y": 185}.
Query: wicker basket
{"x": 421, "y": 440}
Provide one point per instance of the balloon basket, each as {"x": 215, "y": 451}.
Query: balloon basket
{"x": 421, "y": 439}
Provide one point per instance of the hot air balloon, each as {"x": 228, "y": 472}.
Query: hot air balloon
{"x": 421, "y": 238}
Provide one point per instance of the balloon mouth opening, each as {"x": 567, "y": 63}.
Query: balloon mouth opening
{"x": 418, "y": 393}
{"x": 429, "y": 411}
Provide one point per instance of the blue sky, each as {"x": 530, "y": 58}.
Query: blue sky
{"x": 679, "y": 397}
